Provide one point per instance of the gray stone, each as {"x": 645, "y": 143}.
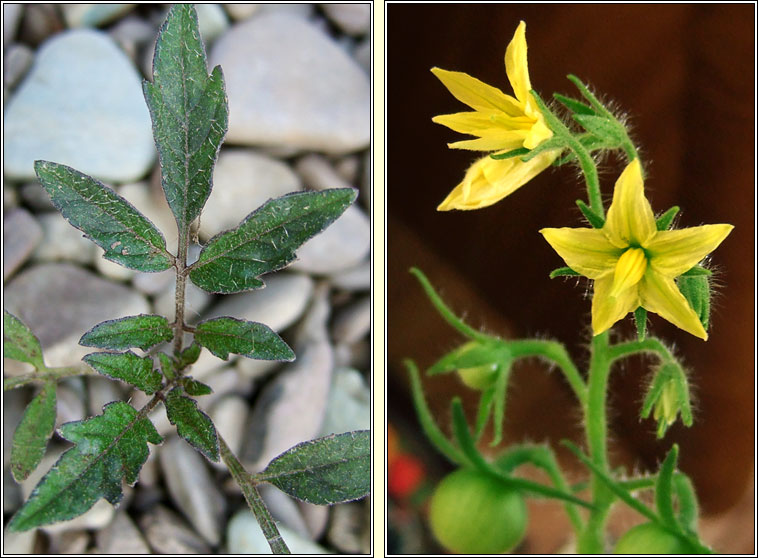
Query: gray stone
{"x": 223, "y": 382}
{"x": 240, "y": 12}
{"x": 289, "y": 84}
{"x": 352, "y": 322}
{"x": 11, "y": 17}
{"x": 168, "y": 534}
{"x": 102, "y": 391}
{"x": 18, "y": 59}
{"x": 316, "y": 518}
{"x": 153, "y": 205}
{"x": 196, "y": 299}
{"x": 349, "y": 528}
{"x": 243, "y": 180}
{"x": 110, "y": 269}
{"x": 93, "y": 15}
{"x": 244, "y": 536}
{"x": 366, "y": 182}
{"x": 354, "y": 279}
{"x": 10, "y": 197}
{"x": 63, "y": 242}
{"x": 19, "y": 543}
{"x": 362, "y": 54}
{"x": 61, "y": 302}
{"x": 353, "y": 19}
{"x": 70, "y": 401}
{"x": 356, "y": 355}
{"x": 212, "y": 21}
{"x": 229, "y": 416}
{"x": 80, "y": 105}
{"x": 349, "y": 404}
{"x": 318, "y": 173}
{"x": 11, "y": 492}
{"x": 35, "y": 195}
{"x": 21, "y": 234}
{"x": 291, "y": 408}
{"x": 250, "y": 368}
{"x": 39, "y": 22}
{"x": 284, "y": 509}
{"x": 121, "y": 537}
{"x": 303, "y": 11}
{"x": 69, "y": 542}
{"x": 348, "y": 168}
{"x": 14, "y": 404}
{"x": 312, "y": 328}
{"x": 342, "y": 245}
{"x": 192, "y": 488}
{"x": 154, "y": 283}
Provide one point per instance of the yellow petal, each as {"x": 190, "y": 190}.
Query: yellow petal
{"x": 477, "y": 94}
{"x": 629, "y": 270}
{"x": 607, "y": 309}
{"x": 586, "y": 251}
{"x": 499, "y": 140}
{"x": 671, "y": 253}
{"x": 659, "y": 294}
{"x": 538, "y": 133}
{"x": 477, "y": 122}
{"x": 516, "y": 65}
{"x": 630, "y": 218}
{"x": 488, "y": 180}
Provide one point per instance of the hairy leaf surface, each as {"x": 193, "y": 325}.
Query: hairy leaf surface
{"x": 266, "y": 240}
{"x": 192, "y": 424}
{"x": 19, "y": 343}
{"x": 193, "y": 387}
{"x": 109, "y": 448}
{"x": 222, "y": 336}
{"x": 327, "y": 470}
{"x": 143, "y": 331}
{"x": 33, "y": 432}
{"x": 189, "y": 113}
{"x": 128, "y": 237}
{"x": 127, "y": 367}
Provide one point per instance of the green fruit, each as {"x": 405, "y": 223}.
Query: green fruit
{"x": 479, "y": 377}
{"x": 475, "y": 513}
{"x": 651, "y": 538}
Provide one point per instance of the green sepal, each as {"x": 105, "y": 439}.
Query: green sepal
{"x": 664, "y": 221}
{"x": 109, "y": 449}
{"x": 128, "y": 237}
{"x": 470, "y": 355}
{"x": 266, "y": 240}
{"x": 188, "y": 356}
{"x": 686, "y": 500}
{"x": 33, "y": 432}
{"x": 593, "y": 218}
{"x": 189, "y": 112}
{"x": 555, "y": 142}
{"x": 664, "y": 488}
{"x": 143, "y": 331}
{"x": 603, "y": 128}
{"x": 19, "y": 343}
{"x": 325, "y": 471}
{"x": 595, "y": 104}
{"x": 192, "y": 424}
{"x": 127, "y": 367}
{"x": 697, "y": 290}
{"x": 222, "y": 336}
{"x": 498, "y": 414}
{"x": 564, "y": 272}
{"x": 484, "y": 410}
{"x": 573, "y": 105}
{"x": 697, "y": 271}
{"x": 168, "y": 366}
{"x": 509, "y": 154}
{"x": 640, "y": 320}
{"x": 194, "y": 388}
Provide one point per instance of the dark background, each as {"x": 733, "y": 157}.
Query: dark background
{"x": 685, "y": 76}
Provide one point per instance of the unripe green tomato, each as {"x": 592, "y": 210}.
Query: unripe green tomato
{"x": 651, "y": 538}
{"x": 479, "y": 377}
{"x": 474, "y": 513}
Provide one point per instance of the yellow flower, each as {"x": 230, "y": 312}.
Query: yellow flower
{"x": 501, "y": 123}
{"x": 634, "y": 264}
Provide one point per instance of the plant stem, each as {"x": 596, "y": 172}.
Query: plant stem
{"x": 555, "y": 352}
{"x": 181, "y": 282}
{"x": 254, "y": 500}
{"x": 49, "y": 374}
{"x": 592, "y": 539}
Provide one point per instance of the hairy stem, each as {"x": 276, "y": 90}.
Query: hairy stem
{"x": 49, "y": 374}
{"x": 181, "y": 282}
{"x": 253, "y": 498}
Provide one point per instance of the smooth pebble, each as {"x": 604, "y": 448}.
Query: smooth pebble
{"x": 21, "y": 234}
{"x": 244, "y": 536}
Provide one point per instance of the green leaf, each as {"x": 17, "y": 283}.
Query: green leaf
{"x": 508, "y": 154}
{"x": 189, "y": 113}
{"x": 19, "y": 343}
{"x": 222, "y": 336}
{"x": 564, "y": 272}
{"x": 573, "y": 105}
{"x": 168, "y": 366}
{"x": 33, "y": 432}
{"x": 192, "y": 424}
{"x": 143, "y": 331}
{"x": 188, "y": 356}
{"x": 593, "y": 218}
{"x": 127, "y": 367}
{"x": 109, "y": 447}
{"x": 128, "y": 237}
{"x": 664, "y": 221}
{"x": 266, "y": 240}
{"x": 193, "y": 387}
{"x": 324, "y": 471}
{"x": 664, "y": 487}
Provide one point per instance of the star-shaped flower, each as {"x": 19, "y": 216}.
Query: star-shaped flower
{"x": 634, "y": 264}
{"x": 501, "y": 123}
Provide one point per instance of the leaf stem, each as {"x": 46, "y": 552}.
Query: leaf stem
{"x": 55, "y": 374}
{"x": 253, "y": 498}
{"x": 181, "y": 282}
